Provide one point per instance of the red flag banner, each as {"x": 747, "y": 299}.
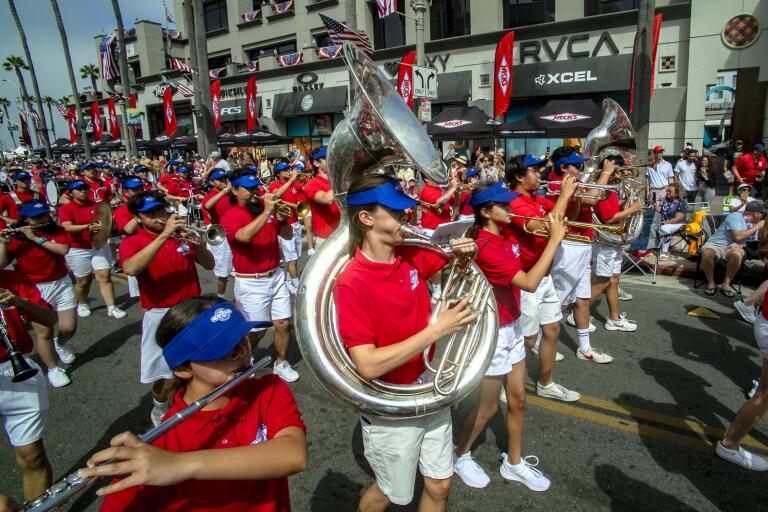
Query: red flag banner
{"x": 72, "y": 121}
{"x": 114, "y": 127}
{"x": 133, "y": 105}
{"x": 215, "y": 100}
{"x": 98, "y": 131}
{"x": 250, "y": 103}
{"x": 502, "y": 74}
{"x": 169, "y": 113}
{"x": 656, "y": 32}
{"x": 405, "y": 78}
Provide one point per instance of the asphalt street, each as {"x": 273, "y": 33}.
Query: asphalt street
{"x": 641, "y": 438}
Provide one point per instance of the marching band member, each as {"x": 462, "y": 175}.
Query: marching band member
{"x": 165, "y": 270}
{"x": 99, "y": 190}
{"x": 261, "y": 291}
{"x": 540, "y": 309}
{"x": 431, "y": 217}
{"x": 77, "y": 219}
{"x": 215, "y": 204}
{"x": 126, "y": 222}
{"x": 286, "y": 188}
{"x": 236, "y": 453}
{"x": 39, "y": 253}
{"x": 383, "y": 282}
{"x": 499, "y": 259}
{"x": 465, "y": 209}
{"x": 325, "y": 213}
{"x": 21, "y": 193}
{"x": 142, "y": 172}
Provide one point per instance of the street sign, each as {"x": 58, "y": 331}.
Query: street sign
{"x": 425, "y": 110}
{"x": 424, "y": 82}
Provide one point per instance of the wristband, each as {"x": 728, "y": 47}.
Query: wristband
{"x": 40, "y": 241}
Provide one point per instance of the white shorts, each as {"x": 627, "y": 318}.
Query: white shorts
{"x": 84, "y": 261}
{"x": 541, "y": 307}
{"x": 608, "y": 260}
{"x": 264, "y": 299}
{"x": 133, "y": 287}
{"x": 291, "y": 249}
{"x": 58, "y": 294}
{"x": 222, "y": 257}
{"x": 395, "y": 448}
{"x": 153, "y": 365}
{"x": 23, "y": 405}
{"x": 761, "y": 335}
{"x": 571, "y": 272}
{"x": 510, "y": 349}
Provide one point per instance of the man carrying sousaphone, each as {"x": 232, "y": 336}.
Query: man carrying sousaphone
{"x": 88, "y": 225}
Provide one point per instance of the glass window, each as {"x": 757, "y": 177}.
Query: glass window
{"x": 519, "y": 13}
{"x": 218, "y": 62}
{"x": 297, "y": 126}
{"x": 449, "y": 18}
{"x": 323, "y": 40}
{"x": 390, "y": 31}
{"x": 257, "y": 4}
{"x": 215, "y": 15}
{"x": 136, "y": 68}
{"x": 594, "y": 7}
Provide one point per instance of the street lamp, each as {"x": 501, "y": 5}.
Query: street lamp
{"x": 18, "y": 86}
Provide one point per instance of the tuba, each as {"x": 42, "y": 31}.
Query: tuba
{"x": 380, "y": 130}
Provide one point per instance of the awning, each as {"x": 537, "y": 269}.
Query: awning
{"x": 557, "y": 119}
{"x": 456, "y": 123}
{"x": 330, "y": 100}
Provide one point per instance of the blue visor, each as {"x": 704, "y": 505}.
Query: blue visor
{"x": 217, "y": 174}
{"x": 299, "y": 166}
{"x": 46, "y": 175}
{"x": 472, "y": 172}
{"x": 496, "y": 193}
{"x": 247, "y": 181}
{"x": 140, "y": 168}
{"x": 387, "y": 195}
{"x": 23, "y": 175}
{"x": 77, "y": 184}
{"x": 87, "y": 165}
{"x": 104, "y": 165}
{"x": 210, "y": 336}
{"x": 532, "y": 161}
{"x": 132, "y": 183}
{"x": 150, "y": 203}
{"x": 183, "y": 170}
{"x": 320, "y": 153}
{"x": 282, "y": 166}
{"x": 173, "y": 162}
{"x": 33, "y": 209}
{"x": 572, "y": 159}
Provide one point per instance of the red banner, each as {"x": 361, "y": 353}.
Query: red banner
{"x": 170, "y": 114}
{"x": 98, "y": 131}
{"x": 655, "y": 43}
{"x": 215, "y": 101}
{"x": 656, "y": 31}
{"x": 25, "y": 140}
{"x": 133, "y": 105}
{"x": 250, "y": 103}
{"x": 72, "y": 121}
{"x": 114, "y": 126}
{"x": 502, "y": 74}
{"x": 405, "y": 78}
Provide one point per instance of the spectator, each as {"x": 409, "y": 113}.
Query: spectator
{"x": 672, "y": 211}
{"x": 738, "y": 202}
{"x": 659, "y": 177}
{"x": 686, "y": 173}
{"x": 219, "y": 162}
{"x": 730, "y": 158}
{"x": 750, "y": 168}
{"x": 707, "y": 183}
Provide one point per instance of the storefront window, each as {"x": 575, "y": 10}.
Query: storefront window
{"x": 390, "y": 31}
{"x": 595, "y": 7}
{"x": 312, "y": 130}
{"x": 218, "y": 62}
{"x": 449, "y": 18}
{"x": 215, "y": 15}
{"x": 519, "y": 13}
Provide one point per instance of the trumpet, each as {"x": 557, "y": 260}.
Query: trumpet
{"x": 213, "y": 234}
{"x": 582, "y": 190}
{"x": 425, "y": 207}
{"x": 286, "y": 209}
{"x": 616, "y": 229}
{"x": 303, "y": 177}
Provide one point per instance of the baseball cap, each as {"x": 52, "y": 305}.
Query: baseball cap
{"x": 140, "y": 168}
{"x": 217, "y": 174}
{"x": 247, "y": 181}
{"x": 183, "y": 170}
{"x": 759, "y": 147}
{"x": 755, "y": 207}
{"x": 87, "y": 165}
{"x": 572, "y": 159}
{"x": 658, "y": 149}
{"x": 212, "y": 335}
{"x": 77, "y": 184}
{"x": 33, "y": 209}
{"x": 745, "y": 185}
{"x": 282, "y": 166}
{"x": 21, "y": 175}
{"x": 298, "y": 165}
{"x": 532, "y": 161}
{"x": 387, "y": 194}
{"x": 132, "y": 183}
{"x": 321, "y": 153}
{"x": 472, "y": 172}
{"x": 496, "y": 193}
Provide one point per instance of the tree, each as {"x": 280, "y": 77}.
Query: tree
{"x": 41, "y": 125}
{"x": 72, "y": 82}
{"x": 48, "y": 102}
{"x": 90, "y": 71}
{"x": 129, "y": 139}
{"x": 5, "y": 103}
{"x": 15, "y": 63}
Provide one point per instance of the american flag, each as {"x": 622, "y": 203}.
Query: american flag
{"x": 290, "y": 59}
{"x": 252, "y": 65}
{"x": 328, "y": 52}
{"x": 116, "y": 96}
{"x": 168, "y": 15}
{"x": 282, "y": 7}
{"x": 173, "y": 34}
{"x": 62, "y": 110}
{"x": 214, "y": 73}
{"x": 252, "y": 15}
{"x": 386, "y": 7}
{"x": 30, "y": 113}
{"x": 107, "y": 61}
{"x": 340, "y": 34}
{"x": 185, "y": 90}
{"x": 180, "y": 66}
{"x": 129, "y": 32}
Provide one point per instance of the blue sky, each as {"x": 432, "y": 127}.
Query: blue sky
{"x": 83, "y": 20}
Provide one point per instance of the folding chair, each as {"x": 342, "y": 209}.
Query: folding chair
{"x": 708, "y": 227}
{"x": 643, "y": 243}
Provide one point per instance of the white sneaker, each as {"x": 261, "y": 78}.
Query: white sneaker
{"x": 622, "y": 324}
{"x": 525, "y": 473}
{"x": 310, "y": 252}
{"x": 158, "y": 412}
{"x": 116, "y": 312}
{"x": 58, "y": 377}
{"x": 557, "y": 392}
{"x": 741, "y": 457}
{"x": 746, "y": 312}
{"x": 83, "y": 310}
{"x": 558, "y": 356}
{"x": 66, "y": 355}
{"x": 624, "y": 295}
{"x": 594, "y": 356}
{"x": 570, "y": 321}
{"x": 284, "y": 371}
{"x": 470, "y": 471}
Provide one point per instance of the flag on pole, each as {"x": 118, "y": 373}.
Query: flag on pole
{"x": 62, "y": 110}
{"x": 173, "y": 34}
{"x": 72, "y": 122}
{"x": 405, "y": 78}
{"x": 98, "y": 131}
{"x": 251, "y": 65}
{"x": 290, "y": 59}
{"x": 30, "y": 114}
{"x": 282, "y": 7}
{"x": 168, "y": 15}
{"x": 214, "y": 73}
{"x": 116, "y": 96}
{"x": 328, "y": 52}
{"x": 180, "y": 66}
{"x": 24, "y": 133}
{"x": 252, "y": 15}
{"x": 185, "y": 90}
{"x": 340, "y": 34}
{"x": 107, "y": 62}
{"x": 502, "y": 74}
{"x": 386, "y": 7}
{"x": 114, "y": 126}
{"x": 250, "y": 103}
{"x": 168, "y": 113}
{"x": 215, "y": 101}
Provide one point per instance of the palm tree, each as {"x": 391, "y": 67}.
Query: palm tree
{"x": 5, "y": 103}
{"x": 92, "y": 72}
{"x": 16, "y": 63}
{"x": 72, "y": 82}
{"x": 129, "y": 138}
{"x": 42, "y": 129}
{"x": 48, "y": 102}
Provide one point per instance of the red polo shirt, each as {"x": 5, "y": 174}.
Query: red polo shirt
{"x": 466, "y": 208}
{"x": 122, "y": 217}
{"x": 429, "y": 217}
{"x": 257, "y": 410}
{"x": 608, "y": 207}
{"x": 171, "y": 276}
{"x": 221, "y": 207}
{"x": 385, "y": 303}
{"x": 499, "y": 259}
{"x": 292, "y": 195}
{"x": 78, "y": 214}
{"x": 262, "y": 253}
{"x": 38, "y": 264}
{"x": 531, "y": 246}
{"x": 325, "y": 217}
{"x": 749, "y": 168}
{"x": 100, "y": 191}
{"x": 15, "y": 282}
{"x": 9, "y": 204}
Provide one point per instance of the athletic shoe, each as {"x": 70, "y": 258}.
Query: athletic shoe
{"x": 284, "y": 371}
{"x": 116, "y": 312}
{"x": 570, "y": 321}
{"x": 557, "y": 392}
{"x": 624, "y": 295}
{"x": 525, "y": 473}
{"x": 58, "y": 377}
{"x": 746, "y": 312}
{"x": 158, "y": 412}
{"x": 594, "y": 356}
{"x": 622, "y": 324}
{"x": 749, "y": 394}
{"x": 470, "y": 471}
{"x": 310, "y": 252}
{"x": 558, "y": 356}
{"x": 741, "y": 457}
{"x": 66, "y": 355}
{"x": 83, "y": 310}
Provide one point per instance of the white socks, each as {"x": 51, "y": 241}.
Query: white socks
{"x": 295, "y": 282}
{"x": 584, "y": 346}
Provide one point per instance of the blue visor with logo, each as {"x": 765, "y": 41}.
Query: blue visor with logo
{"x": 104, "y": 165}
{"x": 282, "y": 166}
{"x": 387, "y": 195}
{"x": 472, "y": 172}
{"x": 321, "y": 153}
{"x": 183, "y": 170}
{"x": 23, "y": 175}
{"x": 132, "y": 183}
{"x": 572, "y": 159}
{"x": 247, "y": 181}
{"x": 496, "y": 193}
{"x": 532, "y": 161}
{"x": 33, "y": 209}
{"x": 217, "y": 174}
{"x": 77, "y": 184}
{"x": 150, "y": 203}
{"x": 299, "y": 166}
{"x": 212, "y": 335}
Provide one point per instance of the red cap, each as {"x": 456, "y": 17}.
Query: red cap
{"x": 658, "y": 149}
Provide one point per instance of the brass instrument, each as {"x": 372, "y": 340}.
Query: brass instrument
{"x": 616, "y": 229}
{"x": 582, "y": 190}
{"x": 425, "y": 207}
{"x": 286, "y": 209}
{"x": 213, "y": 234}
{"x": 20, "y": 368}
{"x": 303, "y": 177}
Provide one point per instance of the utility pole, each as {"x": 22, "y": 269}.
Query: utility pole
{"x": 189, "y": 25}
{"x": 129, "y": 139}
{"x": 420, "y": 8}
{"x": 202, "y": 68}
{"x": 643, "y": 52}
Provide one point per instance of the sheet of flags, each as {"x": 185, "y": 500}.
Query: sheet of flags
{"x": 185, "y": 90}
{"x": 340, "y": 34}
{"x": 62, "y": 110}
{"x": 214, "y": 73}
{"x": 289, "y": 59}
{"x": 180, "y": 66}
{"x": 252, "y": 15}
{"x": 107, "y": 61}
{"x": 251, "y": 65}
{"x": 328, "y": 52}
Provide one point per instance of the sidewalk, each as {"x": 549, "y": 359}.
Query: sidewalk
{"x": 684, "y": 267}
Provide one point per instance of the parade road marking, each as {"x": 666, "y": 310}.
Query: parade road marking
{"x": 120, "y": 279}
